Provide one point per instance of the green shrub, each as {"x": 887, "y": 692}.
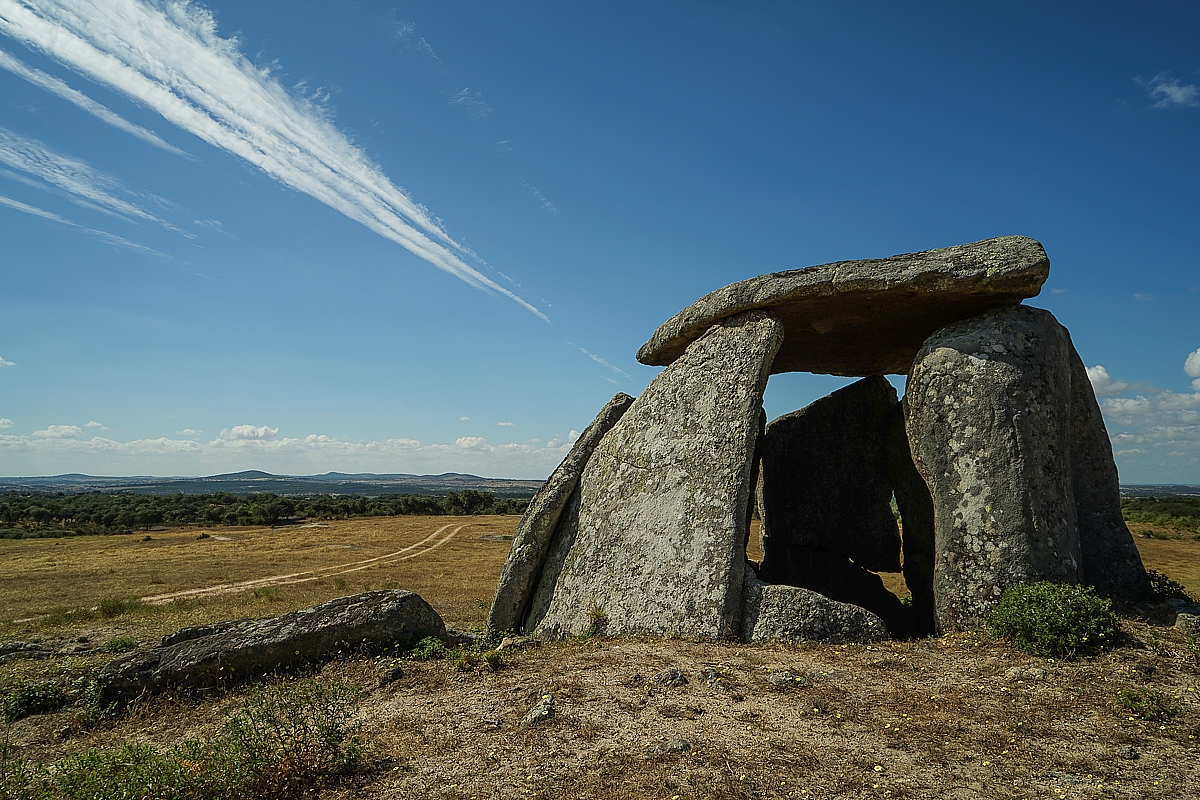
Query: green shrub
{"x": 1163, "y": 588}
{"x": 34, "y": 697}
{"x": 1053, "y": 619}
{"x": 120, "y": 644}
{"x": 430, "y": 648}
{"x": 1145, "y": 703}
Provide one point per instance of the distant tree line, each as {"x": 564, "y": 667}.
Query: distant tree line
{"x": 52, "y": 515}
{"x": 1180, "y": 513}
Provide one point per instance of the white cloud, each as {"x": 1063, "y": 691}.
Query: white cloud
{"x": 59, "y": 432}
{"x": 261, "y": 433}
{"x": 4, "y": 363}
{"x": 1166, "y": 91}
{"x": 5, "y": 422}
{"x": 471, "y": 102}
{"x": 1192, "y": 367}
{"x": 189, "y": 432}
{"x": 506, "y": 424}
{"x": 600, "y": 360}
{"x": 406, "y": 34}
{"x": 94, "y": 424}
{"x": 60, "y": 88}
{"x": 541, "y": 199}
{"x": 464, "y": 419}
{"x": 1142, "y": 297}
{"x": 104, "y": 236}
{"x": 72, "y": 176}
{"x": 169, "y": 57}
{"x": 469, "y": 442}
{"x": 1103, "y": 384}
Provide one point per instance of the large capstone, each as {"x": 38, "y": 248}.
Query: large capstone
{"x": 1110, "y": 559}
{"x": 656, "y": 542}
{"x": 988, "y": 408}
{"x": 866, "y": 317}
{"x": 531, "y": 540}
{"x": 824, "y": 483}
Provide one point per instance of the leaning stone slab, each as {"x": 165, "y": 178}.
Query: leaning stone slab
{"x": 788, "y": 613}
{"x": 988, "y": 407}
{"x": 824, "y": 482}
{"x": 1110, "y": 560}
{"x": 531, "y": 541}
{"x": 657, "y": 541}
{"x": 866, "y": 317}
{"x": 372, "y": 621}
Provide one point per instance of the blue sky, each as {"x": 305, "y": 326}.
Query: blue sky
{"x": 430, "y": 237}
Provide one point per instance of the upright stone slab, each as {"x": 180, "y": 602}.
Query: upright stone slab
{"x": 824, "y": 483}
{"x": 531, "y": 541}
{"x": 988, "y": 408}
{"x": 1110, "y": 559}
{"x": 658, "y": 540}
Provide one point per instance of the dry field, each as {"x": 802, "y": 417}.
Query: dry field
{"x": 956, "y": 717}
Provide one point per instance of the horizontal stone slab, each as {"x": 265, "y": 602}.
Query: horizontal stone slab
{"x": 859, "y": 318}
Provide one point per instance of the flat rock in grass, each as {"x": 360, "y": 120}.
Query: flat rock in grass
{"x": 657, "y": 541}
{"x": 1110, "y": 560}
{"x": 789, "y": 613}
{"x": 531, "y": 540}
{"x": 376, "y": 620}
{"x": 865, "y": 317}
{"x": 823, "y": 481}
{"x": 989, "y": 421}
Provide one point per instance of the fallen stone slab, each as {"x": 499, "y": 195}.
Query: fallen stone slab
{"x": 988, "y": 419}
{"x": 823, "y": 482}
{"x": 865, "y": 317}
{"x": 370, "y": 621}
{"x": 789, "y": 613}
{"x": 531, "y": 540}
{"x": 656, "y": 541}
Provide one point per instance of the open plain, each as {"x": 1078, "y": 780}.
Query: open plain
{"x": 961, "y": 716}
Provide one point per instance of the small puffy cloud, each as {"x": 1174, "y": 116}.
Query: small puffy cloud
{"x": 1192, "y": 367}
{"x": 254, "y": 433}
{"x": 464, "y": 419}
{"x": 1166, "y": 91}
{"x": 469, "y": 442}
{"x": 96, "y": 425}
{"x": 506, "y": 424}
{"x": 189, "y": 432}
{"x": 1142, "y": 297}
{"x": 1103, "y": 384}
{"x": 59, "y": 432}
{"x": 4, "y": 363}
{"x": 5, "y": 422}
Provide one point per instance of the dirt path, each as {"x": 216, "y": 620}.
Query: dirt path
{"x": 403, "y": 554}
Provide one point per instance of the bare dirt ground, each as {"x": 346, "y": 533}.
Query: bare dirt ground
{"x": 957, "y": 717}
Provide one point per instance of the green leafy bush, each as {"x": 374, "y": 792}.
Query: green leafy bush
{"x": 430, "y": 648}
{"x": 1145, "y": 703}
{"x": 27, "y": 698}
{"x": 1053, "y": 619}
{"x": 120, "y": 644}
{"x": 1163, "y": 588}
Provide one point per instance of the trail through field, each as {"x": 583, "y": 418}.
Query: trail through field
{"x": 426, "y": 545}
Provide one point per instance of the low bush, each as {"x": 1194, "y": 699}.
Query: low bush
{"x": 120, "y": 644}
{"x": 1145, "y": 703}
{"x": 1053, "y": 619}
{"x": 1164, "y": 589}
{"x": 430, "y": 648}
{"x": 27, "y": 698}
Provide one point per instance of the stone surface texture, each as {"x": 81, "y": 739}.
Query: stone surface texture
{"x": 239, "y": 652}
{"x": 988, "y": 420}
{"x": 531, "y": 540}
{"x": 823, "y": 482}
{"x": 789, "y": 613}
{"x": 656, "y": 540}
{"x": 866, "y": 317}
{"x": 1110, "y": 559}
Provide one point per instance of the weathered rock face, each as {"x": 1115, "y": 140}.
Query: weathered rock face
{"x": 916, "y": 515}
{"x": 989, "y": 425}
{"x": 824, "y": 483}
{"x": 789, "y": 613}
{"x": 531, "y": 541}
{"x": 866, "y": 317}
{"x": 657, "y": 540}
{"x": 238, "y": 652}
{"x": 1110, "y": 559}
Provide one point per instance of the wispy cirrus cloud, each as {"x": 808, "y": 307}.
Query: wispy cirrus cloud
{"x": 104, "y": 236}
{"x": 103, "y": 113}
{"x": 471, "y": 102}
{"x": 168, "y": 56}
{"x": 600, "y": 360}
{"x": 1167, "y": 91}
{"x": 406, "y": 33}
{"x": 74, "y": 177}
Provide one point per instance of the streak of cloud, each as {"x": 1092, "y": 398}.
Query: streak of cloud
{"x": 104, "y": 236}
{"x": 1166, "y": 91}
{"x": 600, "y": 360}
{"x": 59, "y": 87}
{"x": 168, "y": 56}
{"x": 72, "y": 176}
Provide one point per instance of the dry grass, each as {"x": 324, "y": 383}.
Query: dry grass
{"x": 956, "y": 717}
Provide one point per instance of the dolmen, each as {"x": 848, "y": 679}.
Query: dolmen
{"x": 996, "y": 458}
